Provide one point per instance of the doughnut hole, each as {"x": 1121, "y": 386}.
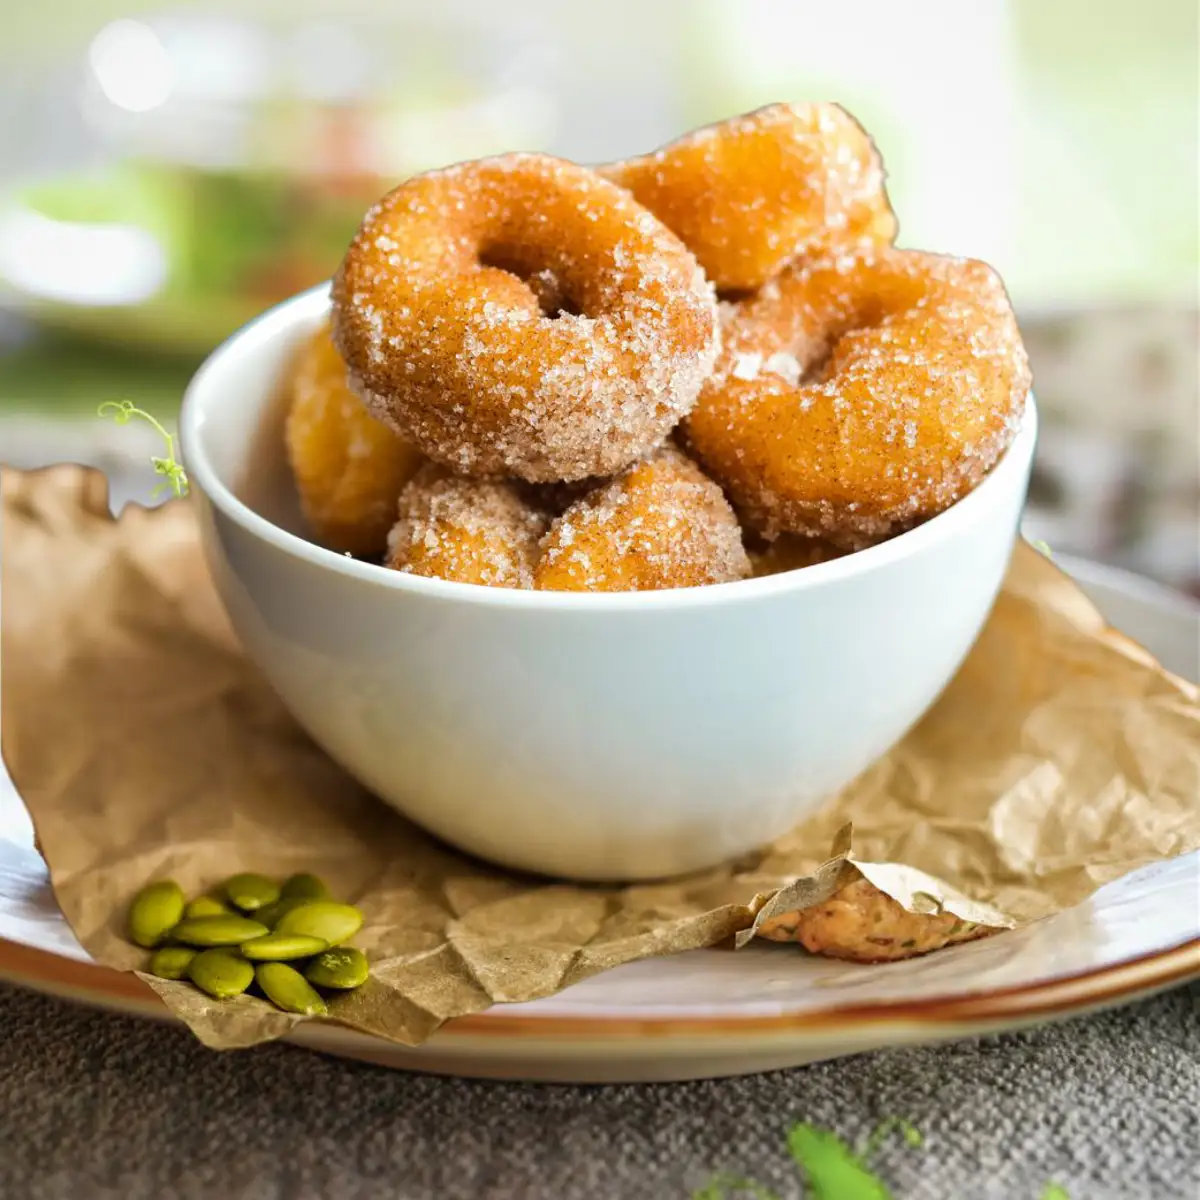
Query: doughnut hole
{"x": 547, "y": 288}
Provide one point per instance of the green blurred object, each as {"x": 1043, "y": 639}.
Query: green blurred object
{"x": 234, "y": 244}
{"x": 57, "y": 376}
{"x": 240, "y": 155}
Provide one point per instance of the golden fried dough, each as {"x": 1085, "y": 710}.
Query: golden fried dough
{"x": 661, "y": 524}
{"x": 468, "y": 530}
{"x": 349, "y": 468}
{"x": 750, "y": 194}
{"x": 862, "y": 394}
{"x": 438, "y": 310}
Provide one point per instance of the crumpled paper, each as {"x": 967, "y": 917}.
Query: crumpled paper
{"x": 146, "y": 745}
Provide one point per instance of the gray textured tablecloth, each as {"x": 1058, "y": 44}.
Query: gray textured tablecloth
{"x": 99, "y": 1106}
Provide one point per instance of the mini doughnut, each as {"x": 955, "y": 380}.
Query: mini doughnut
{"x": 862, "y": 924}
{"x": 468, "y": 530}
{"x": 438, "y": 310}
{"x": 750, "y": 194}
{"x": 349, "y": 468}
{"x": 860, "y": 395}
{"x": 660, "y": 524}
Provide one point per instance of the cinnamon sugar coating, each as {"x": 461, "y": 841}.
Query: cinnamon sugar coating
{"x": 468, "y": 530}
{"x": 660, "y": 524}
{"x": 859, "y": 395}
{"x": 438, "y": 309}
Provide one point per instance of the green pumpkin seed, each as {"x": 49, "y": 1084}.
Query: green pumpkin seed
{"x": 272, "y": 914}
{"x": 171, "y": 962}
{"x": 286, "y": 988}
{"x": 343, "y": 967}
{"x": 325, "y": 919}
{"x": 274, "y": 947}
{"x": 304, "y": 887}
{"x": 250, "y": 892}
{"x": 207, "y": 906}
{"x": 155, "y": 911}
{"x": 218, "y": 931}
{"x": 220, "y": 973}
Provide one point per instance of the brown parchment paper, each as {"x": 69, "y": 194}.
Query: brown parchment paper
{"x": 145, "y": 744}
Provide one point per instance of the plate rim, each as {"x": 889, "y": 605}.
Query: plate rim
{"x": 44, "y": 971}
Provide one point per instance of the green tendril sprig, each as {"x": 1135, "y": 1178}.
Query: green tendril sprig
{"x": 168, "y": 466}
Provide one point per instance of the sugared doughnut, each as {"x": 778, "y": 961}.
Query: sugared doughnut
{"x": 862, "y": 394}
{"x": 469, "y": 530}
{"x": 750, "y": 194}
{"x": 438, "y": 312}
{"x": 660, "y": 524}
{"x": 349, "y": 468}
{"x": 862, "y": 924}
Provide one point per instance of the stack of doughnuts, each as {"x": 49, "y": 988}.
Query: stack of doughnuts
{"x": 654, "y": 374}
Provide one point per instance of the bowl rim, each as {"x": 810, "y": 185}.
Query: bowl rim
{"x": 306, "y": 305}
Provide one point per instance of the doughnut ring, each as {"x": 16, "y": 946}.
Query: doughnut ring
{"x": 469, "y": 530}
{"x": 859, "y": 395}
{"x": 660, "y": 524}
{"x": 438, "y": 312}
{"x": 750, "y": 194}
{"x": 348, "y": 467}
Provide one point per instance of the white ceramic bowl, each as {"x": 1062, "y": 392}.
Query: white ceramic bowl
{"x": 607, "y": 736}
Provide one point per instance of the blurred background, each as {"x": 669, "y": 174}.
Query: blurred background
{"x": 167, "y": 172}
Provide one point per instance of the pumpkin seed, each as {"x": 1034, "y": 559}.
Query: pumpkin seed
{"x": 207, "y": 906}
{"x": 286, "y": 988}
{"x": 274, "y": 947}
{"x": 343, "y": 967}
{"x": 304, "y": 887}
{"x": 220, "y": 973}
{"x": 331, "y": 922}
{"x": 171, "y": 962}
{"x": 250, "y": 892}
{"x": 155, "y": 911}
{"x": 218, "y": 931}
{"x": 271, "y": 914}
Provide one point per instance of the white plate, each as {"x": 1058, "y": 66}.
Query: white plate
{"x": 711, "y": 1012}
